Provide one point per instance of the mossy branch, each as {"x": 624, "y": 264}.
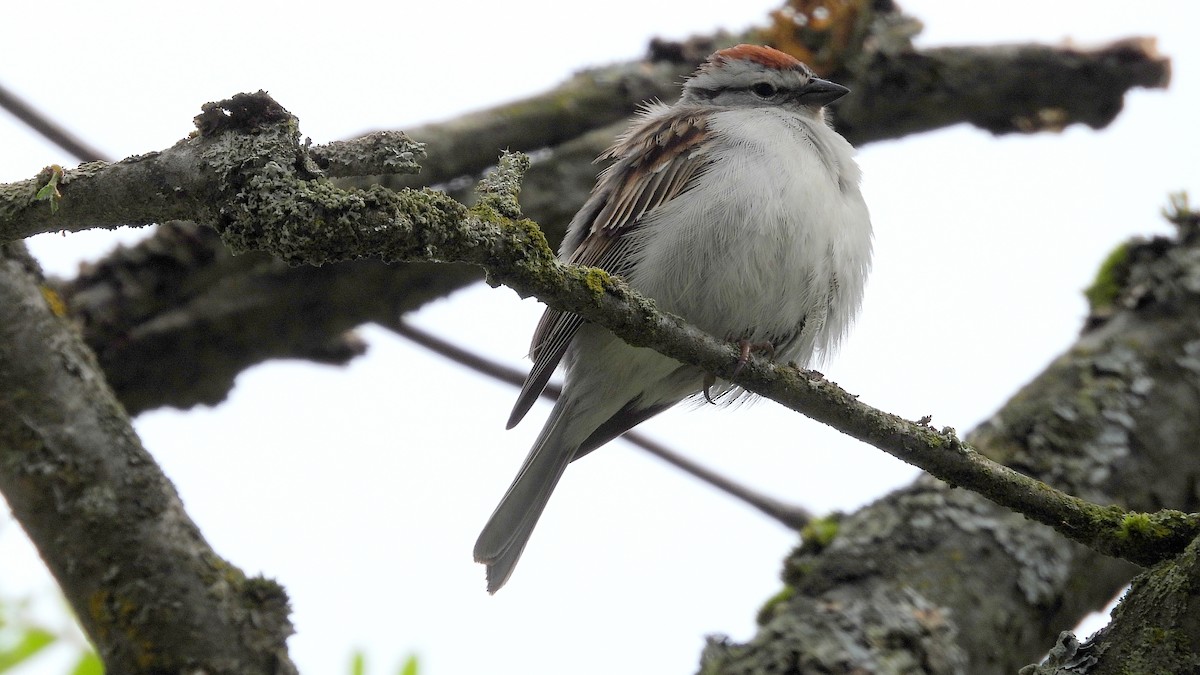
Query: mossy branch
{"x": 246, "y": 174}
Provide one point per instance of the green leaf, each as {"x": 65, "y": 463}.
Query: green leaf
{"x": 89, "y": 664}
{"x": 49, "y": 191}
{"x": 28, "y": 645}
{"x": 358, "y": 663}
{"x": 410, "y": 666}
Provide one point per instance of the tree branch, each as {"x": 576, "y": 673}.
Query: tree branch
{"x": 145, "y": 585}
{"x": 936, "y": 580}
{"x": 172, "y": 294}
{"x": 175, "y": 184}
{"x": 132, "y": 317}
{"x": 53, "y": 132}
{"x": 1153, "y": 629}
{"x": 251, "y": 180}
{"x": 262, "y": 193}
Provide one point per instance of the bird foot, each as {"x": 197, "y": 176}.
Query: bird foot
{"x": 709, "y": 381}
{"x": 747, "y": 347}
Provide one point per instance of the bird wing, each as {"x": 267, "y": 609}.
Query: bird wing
{"x": 655, "y": 163}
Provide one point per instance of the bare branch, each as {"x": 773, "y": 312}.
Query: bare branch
{"x": 795, "y": 517}
{"x": 47, "y": 127}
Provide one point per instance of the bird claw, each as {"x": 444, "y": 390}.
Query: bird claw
{"x": 746, "y": 347}
{"x": 709, "y": 381}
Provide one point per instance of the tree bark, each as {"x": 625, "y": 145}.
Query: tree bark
{"x": 934, "y": 579}
{"x": 143, "y": 582}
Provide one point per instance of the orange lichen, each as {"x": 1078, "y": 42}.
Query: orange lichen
{"x": 54, "y": 301}
{"x": 817, "y": 32}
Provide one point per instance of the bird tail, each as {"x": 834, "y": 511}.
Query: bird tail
{"x": 503, "y": 539}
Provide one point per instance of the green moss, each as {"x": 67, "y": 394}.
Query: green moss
{"x": 1159, "y": 651}
{"x": 259, "y": 591}
{"x": 486, "y": 213}
{"x": 798, "y": 567}
{"x": 769, "y": 608}
{"x": 534, "y": 235}
{"x": 597, "y": 280}
{"x": 218, "y": 572}
{"x": 1155, "y": 635}
{"x": 1141, "y": 526}
{"x": 99, "y": 614}
{"x": 1110, "y": 279}
{"x": 1179, "y": 210}
{"x": 500, "y": 187}
{"x": 821, "y": 531}
{"x": 527, "y": 232}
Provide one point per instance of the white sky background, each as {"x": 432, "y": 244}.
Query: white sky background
{"x": 362, "y": 489}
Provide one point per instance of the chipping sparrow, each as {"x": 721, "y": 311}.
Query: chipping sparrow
{"x": 738, "y": 209}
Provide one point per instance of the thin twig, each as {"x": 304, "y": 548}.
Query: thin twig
{"x": 48, "y": 128}
{"x": 794, "y": 517}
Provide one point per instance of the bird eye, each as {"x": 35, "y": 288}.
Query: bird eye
{"x": 763, "y": 89}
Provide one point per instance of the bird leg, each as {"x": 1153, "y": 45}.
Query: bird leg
{"x": 746, "y": 347}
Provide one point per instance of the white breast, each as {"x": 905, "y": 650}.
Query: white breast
{"x": 775, "y": 237}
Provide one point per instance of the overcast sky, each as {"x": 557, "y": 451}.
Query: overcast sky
{"x": 362, "y": 489}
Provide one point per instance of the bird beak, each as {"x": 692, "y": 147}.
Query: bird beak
{"x": 820, "y": 92}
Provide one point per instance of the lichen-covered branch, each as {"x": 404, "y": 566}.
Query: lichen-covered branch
{"x": 177, "y": 183}
{"x": 935, "y": 579}
{"x": 1004, "y": 89}
{"x": 385, "y": 153}
{"x": 897, "y": 90}
{"x": 145, "y": 585}
{"x": 1153, "y": 630}
{"x": 260, "y": 195}
{"x": 191, "y": 316}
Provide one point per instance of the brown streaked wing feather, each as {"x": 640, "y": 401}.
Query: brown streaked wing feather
{"x": 654, "y": 164}
{"x": 559, "y": 328}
